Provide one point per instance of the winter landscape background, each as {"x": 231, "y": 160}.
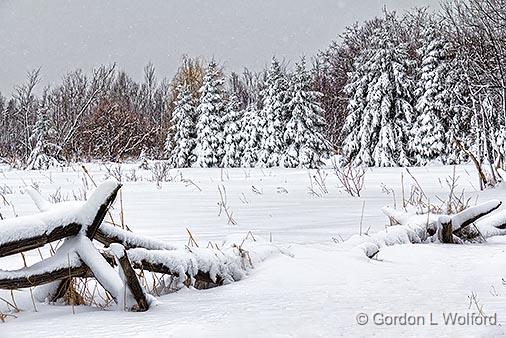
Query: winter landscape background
{"x": 318, "y": 183}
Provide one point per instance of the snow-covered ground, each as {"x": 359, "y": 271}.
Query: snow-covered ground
{"x": 317, "y": 290}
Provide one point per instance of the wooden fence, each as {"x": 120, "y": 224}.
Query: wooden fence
{"x": 77, "y": 225}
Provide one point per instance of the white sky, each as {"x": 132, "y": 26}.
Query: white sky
{"x": 61, "y": 35}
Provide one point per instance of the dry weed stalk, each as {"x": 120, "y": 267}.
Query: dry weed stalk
{"x": 160, "y": 172}
{"x": 256, "y": 190}
{"x": 115, "y": 171}
{"x": 317, "y": 183}
{"x": 191, "y": 239}
{"x": 189, "y": 183}
{"x": 224, "y": 207}
{"x": 350, "y": 177}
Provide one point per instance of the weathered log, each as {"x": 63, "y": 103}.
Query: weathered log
{"x": 102, "y": 211}
{"x": 131, "y": 279}
{"x": 45, "y": 277}
{"x": 201, "y": 276}
{"x": 25, "y": 244}
{"x": 472, "y": 214}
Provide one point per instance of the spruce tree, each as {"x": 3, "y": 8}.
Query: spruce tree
{"x": 430, "y": 139}
{"x": 41, "y": 157}
{"x": 356, "y": 89}
{"x": 210, "y": 111}
{"x": 273, "y": 117}
{"x": 383, "y": 112}
{"x": 232, "y": 135}
{"x": 250, "y": 137}
{"x": 183, "y": 125}
{"x": 304, "y": 131}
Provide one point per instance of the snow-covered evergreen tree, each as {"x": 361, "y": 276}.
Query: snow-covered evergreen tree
{"x": 273, "y": 117}
{"x": 380, "y": 107}
{"x": 250, "y": 137}
{"x": 184, "y": 133}
{"x": 41, "y": 157}
{"x": 304, "y": 131}
{"x": 232, "y": 135}
{"x": 357, "y": 90}
{"x": 430, "y": 132}
{"x": 210, "y": 111}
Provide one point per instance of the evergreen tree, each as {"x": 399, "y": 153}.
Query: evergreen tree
{"x": 183, "y": 122}
{"x": 383, "y": 113}
{"x": 304, "y": 131}
{"x": 273, "y": 117}
{"x": 356, "y": 89}
{"x": 40, "y": 157}
{"x": 430, "y": 133}
{"x": 209, "y": 149}
{"x": 250, "y": 137}
{"x": 232, "y": 135}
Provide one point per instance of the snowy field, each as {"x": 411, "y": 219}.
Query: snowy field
{"x": 318, "y": 286}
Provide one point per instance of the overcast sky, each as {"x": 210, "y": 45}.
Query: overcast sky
{"x": 61, "y": 35}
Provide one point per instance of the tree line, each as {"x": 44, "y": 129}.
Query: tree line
{"x": 395, "y": 90}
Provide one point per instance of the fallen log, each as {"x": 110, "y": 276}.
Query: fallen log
{"x": 39, "y": 240}
{"x": 200, "y": 276}
{"x": 44, "y": 278}
{"x": 447, "y": 228}
{"x": 61, "y": 265}
{"x": 102, "y": 211}
{"x": 30, "y": 232}
{"x": 200, "y": 265}
{"x": 472, "y": 214}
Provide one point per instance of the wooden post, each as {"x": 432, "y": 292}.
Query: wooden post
{"x": 447, "y": 230}
{"x": 130, "y": 277}
{"x": 90, "y": 233}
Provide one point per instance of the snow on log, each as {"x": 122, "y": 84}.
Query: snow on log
{"x": 180, "y": 263}
{"x": 432, "y": 223}
{"x": 493, "y": 225}
{"x": 392, "y": 235}
{"x": 471, "y": 214}
{"x": 32, "y": 240}
{"x": 59, "y": 266}
{"x": 59, "y": 221}
{"x": 40, "y": 202}
{"x": 29, "y": 232}
{"x": 108, "y": 234}
{"x": 419, "y": 223}
{"x": 198, "y": 264}
{"x": 94, "y": 210}
{"x": 415, "y": 228}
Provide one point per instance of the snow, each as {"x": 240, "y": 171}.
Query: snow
{"x": 134, "y": 240}
{"x": 55, "y": 216}
{"x": 14, "y": 229}
{"x": 64, "y": 259}
{"x": 316, "y": 287}
{"x": 102, "y": 271}
{"x": 225, "y": 263}
{"x": 470, "y": 213}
